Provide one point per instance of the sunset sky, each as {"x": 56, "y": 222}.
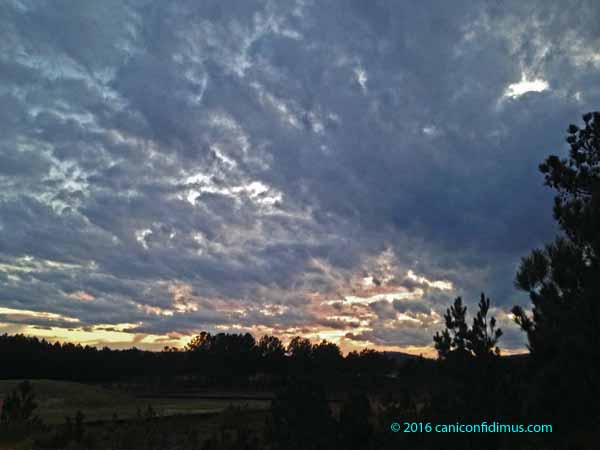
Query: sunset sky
{"x": 339, "y": 170}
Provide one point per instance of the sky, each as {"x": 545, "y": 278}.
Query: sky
{"x": 338, "y": 170}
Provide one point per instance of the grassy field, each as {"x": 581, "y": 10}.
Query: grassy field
{"x": 58, "y": 399}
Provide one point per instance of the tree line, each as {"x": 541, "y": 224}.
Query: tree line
{"x": 212, "y": 358}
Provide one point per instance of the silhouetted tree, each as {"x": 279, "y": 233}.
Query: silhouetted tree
{"x": 483, "y": 336}
{"x": 468, "y": 357}
{"x": 327, "y": 357}
{"x": 563, "y": 281}
{"x": 272, "y": 354}
{"x": 459, "y": 341}
{"x": 454, "y": 337}
{"x": 201, "y": 342}
{"x": 368, "y": 362}
{"x": 300, "y": 351}
{"x": 19, "y": 404}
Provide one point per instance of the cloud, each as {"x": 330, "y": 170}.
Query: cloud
{"x": 515, "y": 90}
{"x": 210, "y": 162}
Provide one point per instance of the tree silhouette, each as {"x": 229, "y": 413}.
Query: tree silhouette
{"x": 201, "y": 342}
{"x": 19, "y": 405}
{"x": 300, "y": 351}
{"x": 272, "y": 354}
{"x": 469, "y": 365}
{"x": 327, "y": 357}
{"x": 368, "y": 362}
{"x": 563, "y": 278}
{"x": 484, "y": 336}
{"x": 454, "y": 337}
{"x": 459, "y": 341}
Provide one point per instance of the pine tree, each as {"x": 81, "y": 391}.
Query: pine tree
{"x": 563, "y": 280}
{"x": 460, "y": 341}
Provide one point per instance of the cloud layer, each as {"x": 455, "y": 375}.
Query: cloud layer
{"x": 337, "y": 169}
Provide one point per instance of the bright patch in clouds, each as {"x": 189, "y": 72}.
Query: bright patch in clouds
{"x": 515, "y": 90}
{"x": 36, "y": 314}
{"x": 82, "y": 296}
{"x": 439, "y": 284}
{"x": 361, "y": 77}
{"x": 140, "y": 236}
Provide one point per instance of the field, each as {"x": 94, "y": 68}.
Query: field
{"x": 58, "y": 399}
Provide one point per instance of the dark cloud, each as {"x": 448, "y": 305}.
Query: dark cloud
{"x": 244, "y": 155}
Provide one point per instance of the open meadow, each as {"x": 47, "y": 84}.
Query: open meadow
{"x": 58, "y": 399}
{"x": 115, "y": 418}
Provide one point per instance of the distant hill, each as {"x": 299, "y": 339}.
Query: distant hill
{"x": 401, "y": 356}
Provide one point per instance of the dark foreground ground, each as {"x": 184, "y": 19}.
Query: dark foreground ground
{"x": 112, "y": 418}
{"x": 79, "y": 416}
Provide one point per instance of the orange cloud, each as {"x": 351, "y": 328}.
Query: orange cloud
{"x": 82, "y": 296}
